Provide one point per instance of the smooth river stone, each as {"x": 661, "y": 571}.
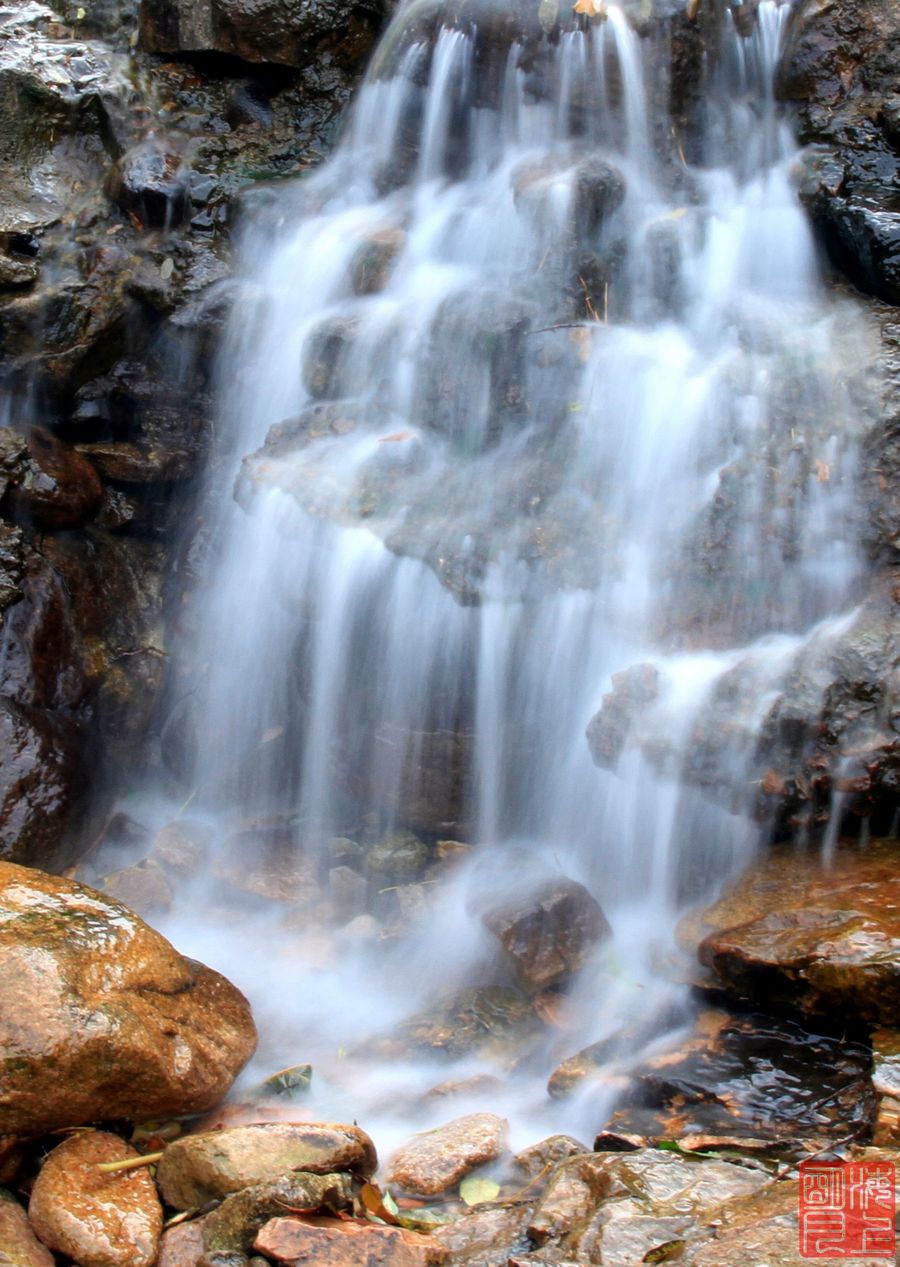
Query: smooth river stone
{"x": 97, "y": 1219}
{"x": 436, "y": 1160}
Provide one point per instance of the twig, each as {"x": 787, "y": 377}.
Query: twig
{"x": 564, "y": 325}
{"x": 128, "y": 1163}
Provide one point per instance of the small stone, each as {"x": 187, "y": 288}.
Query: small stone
{"x": 549, "y": 1152}
{"x": 200, "y": 1168}
{"x": 143, "y": 888}
{"x": 182, "y": 1245}
{"x": 182, "y": 846}
{"x": 231, "y": 1229}
{"x": 434, "y": 1161}
{"x": 400, "y": 855}
{"x": 99, "y": 1220}
{"x": 19, "y": 1247}
{"x": 333, "y": 1243}
{"x": 348, "y": 892}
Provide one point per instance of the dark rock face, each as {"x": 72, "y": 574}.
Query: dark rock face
{"x": 115, "y": 255}
{"x": 842, "y": 67}
{"x": 292, "y": 34}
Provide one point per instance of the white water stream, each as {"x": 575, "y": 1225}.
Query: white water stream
{"x": 478, "y": 512}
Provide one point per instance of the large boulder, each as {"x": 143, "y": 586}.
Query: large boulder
{"x": 100, "y": 1017}
{"x": 281, "y": 31}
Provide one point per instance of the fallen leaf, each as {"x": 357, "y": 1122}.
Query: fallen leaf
{"x": 823, "y": 471}
{"x": 591, "y": 8}
{"x": 396, "y": 437}
{"x": 373, "y": 1202}
{"x": 274, "y": 732}
{"x": 475, "y": 1191}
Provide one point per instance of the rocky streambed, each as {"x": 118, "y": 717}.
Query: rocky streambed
{"x": 116, "y": 1148}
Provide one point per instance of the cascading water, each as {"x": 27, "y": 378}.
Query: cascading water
{"x": 518, "y": 396}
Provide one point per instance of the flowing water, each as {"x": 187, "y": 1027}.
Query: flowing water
{"x": 531, "y": 384}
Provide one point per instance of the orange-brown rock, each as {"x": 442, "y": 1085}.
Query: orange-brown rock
{"x": 200, "y": 1168}
{"x": 100, "y": 1017}
{"x": 335, "y": 1243}
{"x": 19, "y": 1247}
{"x": 97, "y": 1219}
{"x": 435, "y": 1160}
{"x": 822, "y": 939}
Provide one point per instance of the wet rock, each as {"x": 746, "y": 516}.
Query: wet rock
{"x": 182, "y": 846}
{"x": 886, "y": 1085}
{"x": 182, "y": 1245}
{"x": 12, "y": 564}
{"x": 128, "y": 1027}
{"x": 143, "y": 888}
{"x": 750, "y": 1083}
{"x": 348, "y": 892}
{"x": 436, "y": 1160}
{"x": 275, "y": 31}
{"x": 371, "y": 265}
{"x": 400, "y": 855}
{"x": 19, "y": 1247}
{"x": 128, "y": 463}
{"x": 39, "y": 785}
{"x": 575, "y": 1189}
{"x": 481, "y": 1086}
{"x": 277, "y": 873}
{"x": 201, "y": 1168}
{"x": 471, "y": 1021}
{"x": 15, "y": 273}
{"x": 822, "y": 940}
{"x": 550, "y": 933}
{"x": 325, "y": 352}
{"x": 333, "y": 1243}
{"x": 839, "y": 66}
{"x": 548, "y": 1153}
{"x": 99, "y": 1220}
{"x": 632, "y": 689}
{"x": 229, "y": 1232}
{"x": 60, "y": 489}
{"x": 150, "y": 182}
{"x": 486, "y": 1237}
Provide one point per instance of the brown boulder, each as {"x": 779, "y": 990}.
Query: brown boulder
{"x": 823, "y": 939}
{"x": 60, "y": 489}
{"x": 98, "y": 1219}
{"x": 201, "y": 1168}
{"x": 436, "y": 1160}
{"x": 182, "y": 1245}
{"x": 19, "y": 1247}
{"x": 100, "y": 1017}
{"x": 550, "y": 933}
{"x": 334, "y": 1243}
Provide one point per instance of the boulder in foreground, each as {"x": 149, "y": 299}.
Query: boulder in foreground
{"x": 100, "y": 1017}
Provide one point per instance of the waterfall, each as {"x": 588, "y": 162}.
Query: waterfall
{"x": 532, "y": 397}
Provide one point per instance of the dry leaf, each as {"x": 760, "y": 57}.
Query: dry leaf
{"x": 823, "y": 471}
{"x": 591, "y": 8}
{"x": 475, "y": 1191}
{"x": 396, "y": 437}
{"x": 274, "y": 732}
